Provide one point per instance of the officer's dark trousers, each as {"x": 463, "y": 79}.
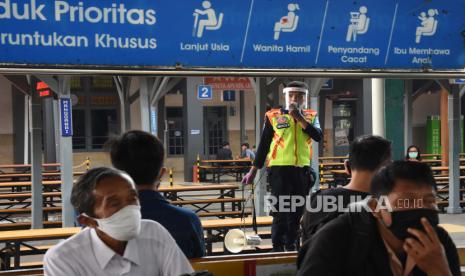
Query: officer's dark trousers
{"x": 287, "y": 181}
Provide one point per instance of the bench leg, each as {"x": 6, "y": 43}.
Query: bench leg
{"x": 209, "y": 242}
{"x": 16, "y": 255}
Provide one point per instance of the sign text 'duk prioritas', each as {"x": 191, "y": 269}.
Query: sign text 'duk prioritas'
{"x": 270, "y": 34}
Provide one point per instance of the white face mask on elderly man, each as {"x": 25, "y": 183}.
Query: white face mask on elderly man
{"x": 123, "y": 225}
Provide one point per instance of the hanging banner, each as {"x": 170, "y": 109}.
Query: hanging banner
{"x": 269, "y": 34}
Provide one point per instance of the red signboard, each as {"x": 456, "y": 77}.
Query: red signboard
{"x": 43, "y": 89}
{"x": 225, "y": 83}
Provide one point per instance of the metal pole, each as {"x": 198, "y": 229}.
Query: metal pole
{"x": 314, "y": 104}
{"x": 66, "y": 160}
{"x": 36, "y": 158}
{"x": 27, "y": 128}
{"x": 378, "y": 106}
{"x": 454, "y": 149}
{"x": 56, "y": 122}
{"x": 242, "y": 117}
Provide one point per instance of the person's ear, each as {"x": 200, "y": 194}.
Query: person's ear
{"x": 162, "y": 173}
{"x": 380, "y": 213}
{"x": 373, "y": 204}
{"x": 87, "y": 221}
{"x": 347, "y": 167}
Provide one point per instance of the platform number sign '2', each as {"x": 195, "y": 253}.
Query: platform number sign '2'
{"x": 204, "y": 92}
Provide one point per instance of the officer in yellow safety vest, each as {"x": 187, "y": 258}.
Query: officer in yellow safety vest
{"x": 286, "y": 142}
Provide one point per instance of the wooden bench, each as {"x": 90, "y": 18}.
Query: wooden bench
{"x": 27, "y": 225}
{"x": 219, "y": 168}
{"x": 178, "y": 192}
{"x": 224, "y": 214}
{"x": 15, "y": 240}
{"x": 234, "y": 265}
{"x": 444, "y": 203}
{"x": 217, "y": 228}
{"x": 5, "y": 214}
{"x": 340, "y": 159}
{"x": 27, "y": 166}
{"x": 202, "y": 204}
{"x": 15, "y": 177}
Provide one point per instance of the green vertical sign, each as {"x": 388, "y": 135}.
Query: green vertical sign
{"x": 433, "y": 137}
{"x": 394, "y": 112}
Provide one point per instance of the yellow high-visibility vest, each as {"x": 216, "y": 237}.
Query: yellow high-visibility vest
{"x": 291, "y": 146}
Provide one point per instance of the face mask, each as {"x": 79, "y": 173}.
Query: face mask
{"x": 123, "y": 225}
{"x": 413, "y": 154}
{"x": 401, "y": 220}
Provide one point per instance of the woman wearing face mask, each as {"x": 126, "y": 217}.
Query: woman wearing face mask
{"x": 413, "y": 154}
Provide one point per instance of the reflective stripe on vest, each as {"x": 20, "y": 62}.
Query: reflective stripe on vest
{"x": 291, "y": 146}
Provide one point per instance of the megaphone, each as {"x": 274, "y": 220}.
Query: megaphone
{"x": 236, "y": 240}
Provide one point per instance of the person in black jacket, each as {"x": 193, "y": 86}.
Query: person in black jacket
{"x": 394, "y": 233}
{"x": 141, "y": 155}
{"x": 367, "y": 154}
{"x": 224, "y": 153}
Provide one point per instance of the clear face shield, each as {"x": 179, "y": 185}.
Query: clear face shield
{"x": 303, "y": 96}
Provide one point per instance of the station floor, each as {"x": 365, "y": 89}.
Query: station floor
{"x": 455, "y": 226}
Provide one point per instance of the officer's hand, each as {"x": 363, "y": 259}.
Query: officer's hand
{"x": 294, "y": 112}
{"x": 250, "y": 176}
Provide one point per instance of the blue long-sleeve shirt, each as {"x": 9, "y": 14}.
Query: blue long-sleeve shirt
{"x": 183, "y": 224}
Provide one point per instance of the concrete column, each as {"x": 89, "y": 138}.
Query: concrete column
{"x": 36, "y": 158}
{"x": 49, "y": 131}
{"x": 19, "y": 125}
{"x": 367, "y": 107}
{"x": 378, "y": 106}
{"x": 408, "y": 114}
{"x": 161, "y": 120}
{"x": 193, "y": 125}
{"x": 454, "y": 150}
{"x": 66, "y": 160}
{"x": 260, "y": 109}
{"x": 144, "y": 104}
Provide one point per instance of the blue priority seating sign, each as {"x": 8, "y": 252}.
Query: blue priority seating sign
{"x": 270, "y": 34}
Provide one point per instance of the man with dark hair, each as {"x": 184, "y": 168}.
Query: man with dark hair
{"x": 246, "y": 152}
{"x": 116, "y": 240}
{"x": 141, "y": 155}
{"x": 287, "y": 142}
{"x": 366, "y": 155}
{"x": 394, "y": 233}
{"x": 224, "y": 153}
